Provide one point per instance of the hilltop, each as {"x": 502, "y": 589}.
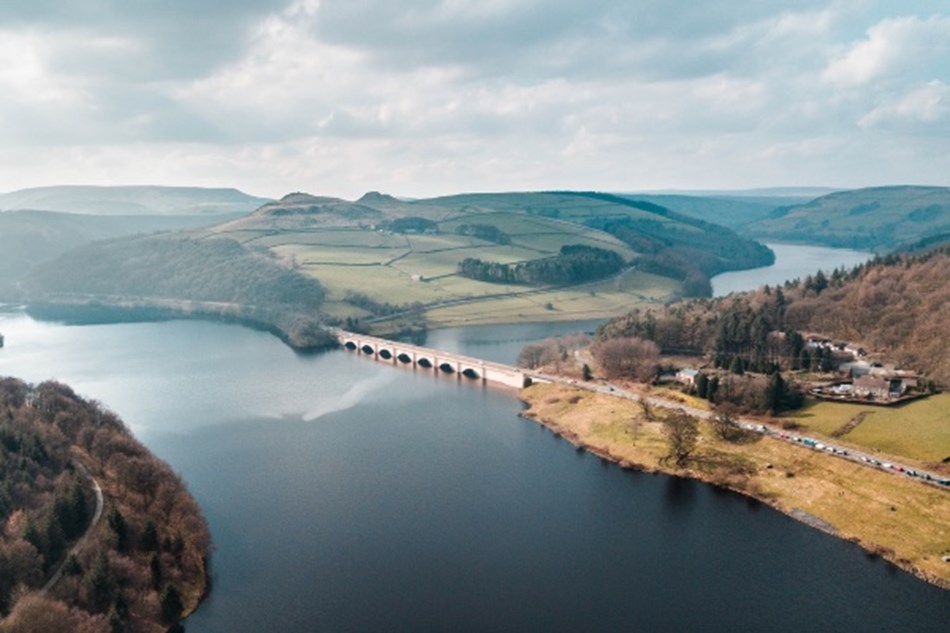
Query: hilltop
{"x": 878, "y": 218}
{"x": 131, "y": 200}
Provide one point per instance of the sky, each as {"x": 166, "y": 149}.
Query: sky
{"x": 426, "y": 97}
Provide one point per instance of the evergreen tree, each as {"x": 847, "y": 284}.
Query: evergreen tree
{"x": 149, "y": 541}
{"x": 121, "y": 529}
{"x": 775, "y": 392}
{"x": 736, "y": 366}
{"x": 171, "y": 605}
{"x": 702, "y": 385}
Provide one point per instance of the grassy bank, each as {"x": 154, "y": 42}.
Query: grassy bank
{"x": 919, "y": 429}
{"x": 894, "y": 517}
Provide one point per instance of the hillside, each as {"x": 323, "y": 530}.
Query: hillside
{"x": 28, "y": 238}
{"x": 140, "y": 200}
{"x": 878, "y": 218}
{"x": 143, "y": 563}
{"x": 896, "y": 307}
{"x": 395, "y": 252}
{"x": 379, "y": 257}
{"x": 731, "y": 212}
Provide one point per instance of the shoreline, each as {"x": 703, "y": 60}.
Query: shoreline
{"x": 300, "y": 332}
{"x": 589, "y": 444}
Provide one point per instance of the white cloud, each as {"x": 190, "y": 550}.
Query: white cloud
{"x": 431, "y": 96}
{"x": 927, "y": 104}
{"x": 905, "y": 45}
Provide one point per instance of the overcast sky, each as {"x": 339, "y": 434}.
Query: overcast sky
{"x": 422, "y": 97}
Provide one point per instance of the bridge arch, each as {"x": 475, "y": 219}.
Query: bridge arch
{"x": 403, "y": 357}
{"x": 469, "y": 372}
{"x": 368, "y": 349}
{"x": 447, "y": 367}
{"x": 350, "y": 345}
{"x": 385, "y": 354}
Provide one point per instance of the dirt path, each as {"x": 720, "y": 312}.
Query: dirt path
{"x": 82, "y": 540}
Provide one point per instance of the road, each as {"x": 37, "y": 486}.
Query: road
{"x": 82, "y": 540}
{"x": 850, "y": 454}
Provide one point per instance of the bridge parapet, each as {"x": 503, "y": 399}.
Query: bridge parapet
{"x": 395, "y": 352}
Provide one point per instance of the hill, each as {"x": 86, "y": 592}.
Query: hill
{"x": 879, "y": 218}
{"x": 730, "y": 211}
{"x": 135, "y": 200}
{"x": 393, "y": 253}
{"x": 140, "y": 568}
{"x": 563, "y": 254}
{"x": 28, "y": 238}
{"x": 895, "y": 307}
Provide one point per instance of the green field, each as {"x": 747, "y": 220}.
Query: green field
{"x": 919, "y": 429}
{"x": 349, "y": 247}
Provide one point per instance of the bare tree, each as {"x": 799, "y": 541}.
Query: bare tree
{"x": 682, "y": 434}
{"x": 725, "y": 421}
{"x": 628, "y": 357}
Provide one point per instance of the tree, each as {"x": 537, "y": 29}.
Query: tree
{"x": 724, "y": 422}
{"x": 586, "y": 373}
{"x": 712, "y": 389}
{"x": 627, "y": 357}
{"x": 682, "y": 434}
{"x": 736, "y": 366}
{"x": 121, "y": 529}
{"x": 171, "y": 605}
{"x": 149, "y": 542}
{"x": 702, "y": 385}
{"x": 775, "y": 390}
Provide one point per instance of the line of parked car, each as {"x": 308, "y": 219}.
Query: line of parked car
{"x": 858, "y": 457}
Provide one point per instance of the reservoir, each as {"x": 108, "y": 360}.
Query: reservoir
{"x": 346, "y": 495}
{"x": 792, "y": 261}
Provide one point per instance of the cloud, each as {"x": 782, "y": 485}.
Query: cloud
{"x": 927, "y": 104}
{"x": 430, "y": 96}
{"x": 904, "y": 46}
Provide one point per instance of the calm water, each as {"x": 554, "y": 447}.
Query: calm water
{"x": 345, "y": 495}
{"x": 792, "y": 261}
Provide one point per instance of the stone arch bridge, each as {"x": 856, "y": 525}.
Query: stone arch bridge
{"x": 446, "y": 363}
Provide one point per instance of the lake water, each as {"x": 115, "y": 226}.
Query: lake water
{"x": 345, "y": 495}
{"x": 792, "y": 261}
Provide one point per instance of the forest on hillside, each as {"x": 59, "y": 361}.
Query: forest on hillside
{"x": 896, "y": 307}
{"x": 219, "y": 270}
{"x": 144, "y": 564}
{"x": 575, "y": 263}
{"x": 689, "y": 250}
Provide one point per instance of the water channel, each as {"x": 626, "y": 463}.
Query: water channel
{"x": 345, "y": 495}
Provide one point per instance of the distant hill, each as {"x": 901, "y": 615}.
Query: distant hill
{"x": 137, "y": 200}
{"x": 28, "y": 238}
{"x": 880, "y": 218}
{"x": 731, "y": 212}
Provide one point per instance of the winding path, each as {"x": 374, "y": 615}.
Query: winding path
{"x": 82, "y": 540}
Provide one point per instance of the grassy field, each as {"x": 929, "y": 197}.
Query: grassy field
{"x": 343, "y": 245}
{"x": 383, "y": 265}
{"x": 896, "y": 517}
{"x": 598, "y": 300}
{"x": 919, "y": 429}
